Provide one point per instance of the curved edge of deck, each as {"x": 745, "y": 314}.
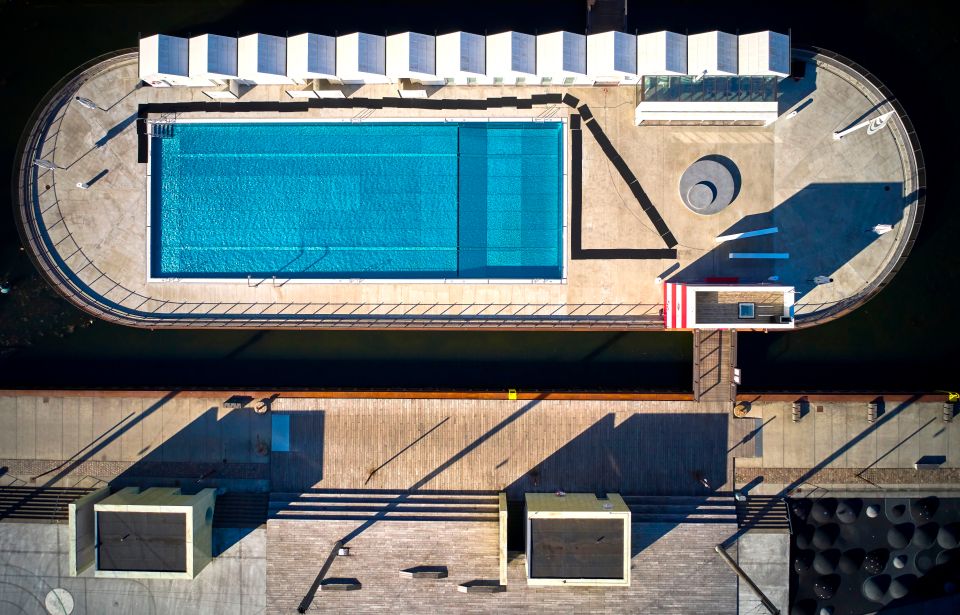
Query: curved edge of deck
{"x": 916, "y": 175}
{"x": 52, "y": 266}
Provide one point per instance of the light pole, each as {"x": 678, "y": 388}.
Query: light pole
{"x": 86, "y": 103}
{"x": 45, "y": 164}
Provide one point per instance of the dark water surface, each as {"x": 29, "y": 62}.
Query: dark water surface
{"x": 902, "y": 340}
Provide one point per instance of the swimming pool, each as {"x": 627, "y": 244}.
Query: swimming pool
{"x": 357, "y": 200}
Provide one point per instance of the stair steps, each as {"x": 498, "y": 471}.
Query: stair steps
{"x": 763, "y": 513}
{"x": 720, "y": 508}
{"x": 397, "y": 506}
{"x": 241, "y": 510}
{"x": 46, "y": 504}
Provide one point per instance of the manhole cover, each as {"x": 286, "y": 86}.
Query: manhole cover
{"x": 59, "y": 602}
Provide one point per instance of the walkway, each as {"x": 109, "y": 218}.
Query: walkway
{"x": 833, "y": 447}
{"x": 714, "y": 359}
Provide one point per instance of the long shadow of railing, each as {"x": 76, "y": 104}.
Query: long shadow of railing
{"x": 53, "y": 476}
{"x": 806, "y": 476}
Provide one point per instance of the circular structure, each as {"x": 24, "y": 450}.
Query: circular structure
{"x": 826, "y": 586}
{"x": 826, "y": 535}
{"x": 926, "y": 535}
{"x": 897, "y": 512}
{"x": 924, "y": 509}
{"x": 900, "y": 561}
{"x": 875, "y": 588}
{"x": 924, "y": 561}
{"x": 59, "y": 602}
{"x": 948, "y": 537}
{"x": 873, "y": 511}
{"x": 801, "y": 508}
{"x": 899, "y": 536}
{"x": 826, "y": 562}
{"x": 709, "y": 185}
{"x": 827, "y": 610}
{"x": 949, "y": 556}
{"x": 801, "y": 563}
{"x": 804, "y": 537}
{"x": 876, "y": 561}
{"x": 900, "y": 586}
{"x": 823, "y": 510}
{"x": 848, "y": 510}
{"x": 851, "y": 560}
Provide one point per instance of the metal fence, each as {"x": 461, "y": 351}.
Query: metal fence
{"x": 64, "y": 264}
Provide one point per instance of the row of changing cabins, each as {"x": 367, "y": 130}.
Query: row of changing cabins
{"x": 461, "y": 58}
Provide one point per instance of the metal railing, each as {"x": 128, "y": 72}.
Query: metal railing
{"x": 915, "y": 184}
{"x": 63, "y": 263}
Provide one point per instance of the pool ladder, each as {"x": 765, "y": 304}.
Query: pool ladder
{"x": 162, "y": 127}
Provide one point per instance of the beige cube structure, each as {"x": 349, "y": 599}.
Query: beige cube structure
{"x": 81, "y": 524}
{"x": 462, "y": 58}
{"x": 562, "y": 59}
{"x": 512, "y": 58}
{"x": 577, "y": 539}
{"x": 163, "y": 61}
{"x": 154, "y": 534}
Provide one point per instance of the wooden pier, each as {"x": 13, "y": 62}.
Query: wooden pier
{"x": 714, "y": 362}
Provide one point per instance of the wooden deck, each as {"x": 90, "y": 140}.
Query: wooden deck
{"x": 723, "y": 308}
{"x": 517, "y": 446}
{"x": 714, "y": 358}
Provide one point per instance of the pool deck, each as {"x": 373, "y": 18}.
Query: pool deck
{"x": 823, "y": 194}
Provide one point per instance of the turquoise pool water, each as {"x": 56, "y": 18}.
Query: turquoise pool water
{"x": 358, "y": 200}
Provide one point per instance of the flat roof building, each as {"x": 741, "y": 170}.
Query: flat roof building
{"x": 156, "y": 533}
{"x": 311, "y": 56}
{"x": 712, "y": 53}
{"x": 612, "y": 57}
{"x": 764, "y": 53}
{"x": 262, "y": 58}
{"x": 662, "y": 53}
{"x": 511, "y": 58}
{"x": 461, "y": 57}
{"x": 577, "y": 539}
{"x": 361, "y": 58}
{"x": 411, "y": 55}
{"x": 164, "y": 60}
{"x": 562, "y": 59}
{"x": 213, "y": 58}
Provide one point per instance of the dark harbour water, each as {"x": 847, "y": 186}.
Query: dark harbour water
{"x": 903, "y": 339}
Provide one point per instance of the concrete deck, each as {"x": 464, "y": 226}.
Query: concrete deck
{"x": 33, "y": 561}
{"x": 834, "y": 448}
{"x": 823, "y": 195}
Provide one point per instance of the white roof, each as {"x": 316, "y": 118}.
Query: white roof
{"x": 511, "y": 54}
{"x": 561, "y": 54}
{"x": 411, "y": 55}
{"x": 311, "y": 56}
{"x": 461, "y": 53}
{"x": 212, "y": 55}
{"x": 712, "y": 53}
{"x": 764, "y": 53}
{"x": 662, "y": 53}
{"x": 361, "y": 56}
{"x": 611, "y": 54}
{"x": 162, "y": 55}
{"x": 261, "y": 55}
